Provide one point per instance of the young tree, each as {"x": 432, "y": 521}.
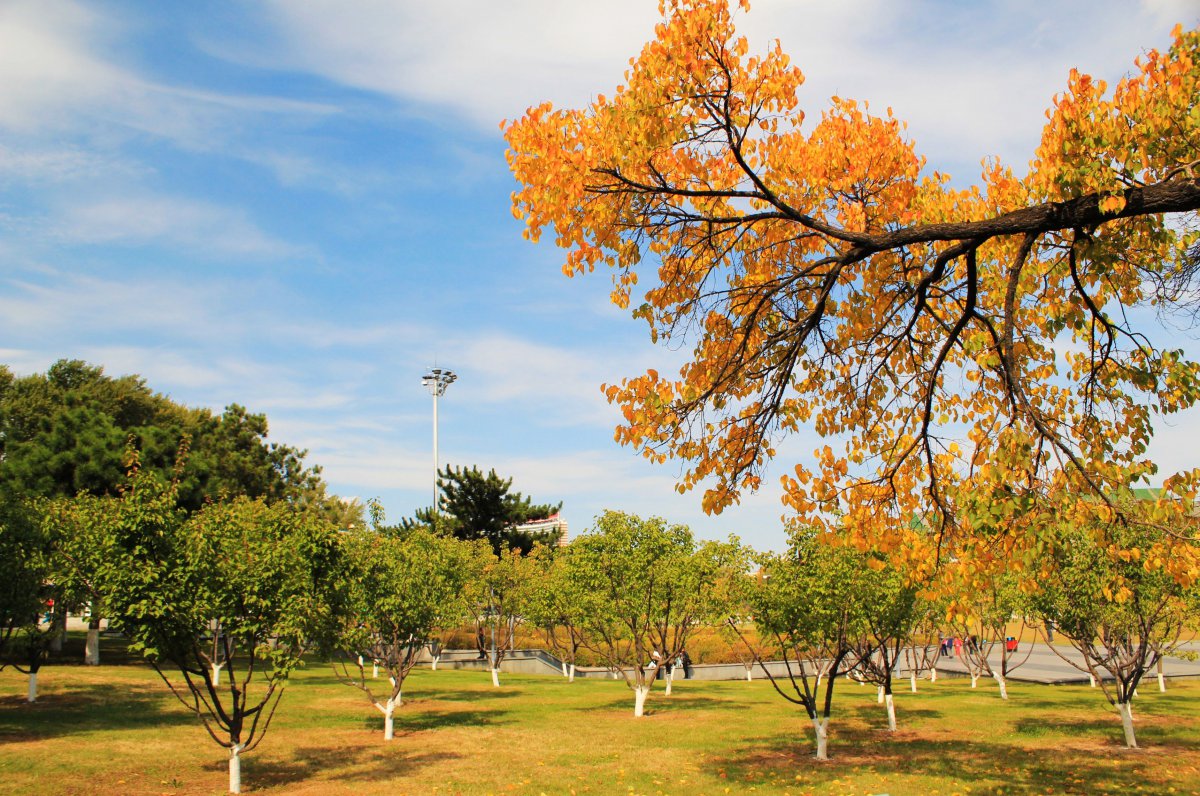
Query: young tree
{"x": 27, "y": 622}
{"x": 252, "y": 572}
{"x": 496, "y": 595}
{"x": 646, "y": 587}
{"x": 805, "y": 609}
{"x": 824, "y": 276}
{"x": 554, "y": 606}
{"x": 986, "y": 608}
{"x": 395, "y": 593}
{"x": 1105, "y": 587}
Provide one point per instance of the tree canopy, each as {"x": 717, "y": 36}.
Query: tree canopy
{"x": 477, "y": 506}
{"x": 67, "y": 431}
{"x": 947, "y": 340}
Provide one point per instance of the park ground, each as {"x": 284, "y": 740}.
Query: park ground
{"x": 115, "y": 729}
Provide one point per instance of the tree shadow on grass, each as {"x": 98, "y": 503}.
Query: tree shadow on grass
{"x": 372, "y": 763}
{"x": 88, "y": 708}
{"x": 431, "y": 720}
{"x": 882, "y": 756}
{"x": 660, "y": 703}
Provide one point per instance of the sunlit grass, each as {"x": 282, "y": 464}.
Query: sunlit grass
{"x": 116, "y": 730}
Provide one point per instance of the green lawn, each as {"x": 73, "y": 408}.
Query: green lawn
{"x": 116, "y": 730}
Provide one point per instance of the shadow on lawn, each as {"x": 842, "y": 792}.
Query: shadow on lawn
{"x": 87, "y": 708}
{"x": 871, "y": 753}
{"x": 660, "y": 703}
{"x": 353, "y": 764}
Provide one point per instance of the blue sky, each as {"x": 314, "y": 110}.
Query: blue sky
{"x": 302, "y": 206}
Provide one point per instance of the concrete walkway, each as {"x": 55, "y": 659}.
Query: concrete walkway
{"x": 1045, "y": 665}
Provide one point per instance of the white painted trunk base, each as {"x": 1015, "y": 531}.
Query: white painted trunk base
{"x": 933, "y": 675}
{"x": 1092, "y": 680}
{"x": 216, "y": 673}
{"x": 563, "y": 664}
{"x": 1162, "y": 684}
{"x": 821, "y": 730}
{"x": 974, "y": 679}
{"x": 891, "y": 711}
{"x": 388, "y": 710}
{"x": 879, "y": 696}
{"x": 235, "y": 769}
{"x": 639, "y": 699}
{"x": 91, "y": 653}
{"x": 912, "y": 681}
{"x": 375, "y": 670}
{"x": 32, "y": 693}
{"x": 434, "y": 663}
{"x": 571, "y": 673}
{"x": 1126, "y": 711}
{"x": 1003, "y": 686}
{"x": 749, "y": 674}
{"x": 669, "y": 677}
{"x": 496, "y": 677}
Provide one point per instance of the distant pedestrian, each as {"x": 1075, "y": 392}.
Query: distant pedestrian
{"x": 687, "y": 665}
{"x": 958, "y": 646}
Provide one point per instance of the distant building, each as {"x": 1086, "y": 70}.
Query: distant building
{"x": 553, "y": 524}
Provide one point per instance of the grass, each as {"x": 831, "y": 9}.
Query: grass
{"x": 116, "y": 730}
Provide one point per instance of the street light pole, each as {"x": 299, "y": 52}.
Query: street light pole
{"x": 437, "y": 380}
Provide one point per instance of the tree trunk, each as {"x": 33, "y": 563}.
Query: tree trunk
{"x": 571, "y": 674}
{"x": 216, "y": 673}
{"x": 879, "y": 696}
{"x": 891, "y": 711}
{"x": 1091, "y": 680}
{"x": 32, "y": 693}
{"x": 91, "y": 652}
{"x": 434, "y": 662}
{"x": 933, "y": 674}
{"x": 912, "y": 680}
{"x": 1126, "y": 711}
{"x": 668, "y": 677}
{"x": 563, "y": 664}
{"x": 1162, "y": 684}
{"x": 821, "y": 730}
{"x": 235, "y": 768}
{"x": 750, "y": 673}
{"x": 639, "y": 699}
{"x": 1003, "y": 685}
{"x": 389, "y": 712}
{"x": 974, "y": 679}
{"x": 374, "y": 670}
{"x": 496, "y": 677}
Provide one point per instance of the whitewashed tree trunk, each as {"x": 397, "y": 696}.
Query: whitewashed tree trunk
{"x": 91, "y": 652}
{"x": 216, "y": 673}
{"x": 388, "y": 710}
{"x": 563, "y": 664}
{"x": 891, "y": 711}
{"x": 933, "y": 675}
{"x": 1092, "y": 680}
{"x": 235, "y": 768}
{"x": 912, "y": 681}
{"x": 1162, "y": 684}
{"x": 821, "y": 730}
{"x": 1126, "y": 711}
{"x": 750, "y": 673}
{"x": 974, "y": 679}
{"x": 496, "y": 677}
{"x": 1003, "y": 685}
{"x": 668, "y": 677}
{"x": 434, "y": 662}
{"x": 571, "y": 673}
{"x": 639, "y": 699}
{"x": 879, "y": 696}
{"x": 32, "y": 693}
{"x": 375, "y": 669}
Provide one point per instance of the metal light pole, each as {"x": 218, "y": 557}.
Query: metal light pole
{"x": 437, "y": 380}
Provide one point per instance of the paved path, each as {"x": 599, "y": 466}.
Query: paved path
{"x": 1045, "y": 666}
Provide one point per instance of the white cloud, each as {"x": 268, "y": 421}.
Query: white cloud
{"x": 199, "y": 226}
